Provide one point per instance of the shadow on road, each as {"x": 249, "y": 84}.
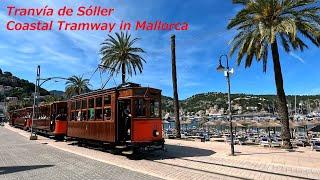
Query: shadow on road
{"x": 176, "y": 151}
{"x": 14, "y": 169}
{"x": 171, "y": 152}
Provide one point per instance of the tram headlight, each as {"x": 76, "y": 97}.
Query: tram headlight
{"x": 129, "y": 131}
{"x": 156, "y": 133}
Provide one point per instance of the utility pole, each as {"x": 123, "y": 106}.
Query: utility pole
{"x": 33, "y": 135}
{"x": 35, "y": 98}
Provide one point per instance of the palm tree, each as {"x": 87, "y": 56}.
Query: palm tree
{"x": 76, "y": 85}
{"x": 118, "y": 53}
{"x": 264, "y": 23}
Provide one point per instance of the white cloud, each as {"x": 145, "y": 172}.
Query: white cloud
{"x": 297, "y": 57}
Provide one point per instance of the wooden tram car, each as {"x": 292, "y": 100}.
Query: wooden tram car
{"x": 51, "y": 119}
{"x": 129, "y": 115}
{"x": 125, "y": 116}
{"x": 21, "y": 118}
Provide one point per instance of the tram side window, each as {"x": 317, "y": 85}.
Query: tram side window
{"x": 73, "y": 116}
{"x": 91, "y": 103}
{"x": 61, "y": 114}
{"x": 107, "y": 100}
{"x": 99, "y": 114}
{"x": 83, "y": 115}
{"x": 90, "y": 114}
{"x": 99, "y": 102}
{"x": 107, "y": 108}
{"x": 154, "y": 108}
{"x": 91, "y": 111}
{"x": 84, "y": 104}
{"x": 140, "y": 107}
{"x": 84, "y": 107}
{"x": 98, "y": 108}
{"x": 107, "y": 113}
{"x": 78, "y": 105}
{"x": 73, "y": 105}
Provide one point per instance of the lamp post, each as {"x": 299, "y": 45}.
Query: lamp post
{"x": 37, "y": 86}
{"x": 227, "y": 71}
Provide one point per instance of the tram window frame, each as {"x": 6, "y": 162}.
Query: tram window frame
{"x": 72, "y": 116}
{"x": 98, "y": 112}
{"x": 75, "y": 112}
{"x": 84, "y": 115}
{"x": 107, "y": 100}
{"x": 83, "y": 111}
{"x": 98, "y": 101}
{"x": 153, "y": 112}
{"x": 73, "y": 105}
{"x": 89, "y": 114}
{"x": 107, "y": 116}
{"x": 91, "y": 102}
{"x": 61, "y": 112}
{"x": 90, "y": 107}
{"x": 144, "y": 109}
{"x": 84, "y": 104}
{"x": 78, "y": 104}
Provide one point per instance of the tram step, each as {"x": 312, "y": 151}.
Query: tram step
{"x": 130, "y": 152}
{"x": 121, "y": 147}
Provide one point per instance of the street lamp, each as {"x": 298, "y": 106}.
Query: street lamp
{"x": 227, "y": 71}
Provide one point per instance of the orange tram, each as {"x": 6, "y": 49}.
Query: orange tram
{"x": 125, "y": 117}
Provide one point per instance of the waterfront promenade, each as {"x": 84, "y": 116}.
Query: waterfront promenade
{"x": 183, "y": 160}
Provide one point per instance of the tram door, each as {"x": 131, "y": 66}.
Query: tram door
{"x": 52, "y": 117}
{"x": 124, "y": 120}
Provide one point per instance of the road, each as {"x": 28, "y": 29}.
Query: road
{"x": 49, "y": 159}
{"x": 24, "y": 159}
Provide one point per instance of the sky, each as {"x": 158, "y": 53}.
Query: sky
{"x": 67, "y": 53}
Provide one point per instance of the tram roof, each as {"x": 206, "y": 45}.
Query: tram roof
{"x": 125, "y": 86}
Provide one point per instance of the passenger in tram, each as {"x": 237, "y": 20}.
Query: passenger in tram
{"x": 127, "y": 121}
{"x": 79, "y": 116}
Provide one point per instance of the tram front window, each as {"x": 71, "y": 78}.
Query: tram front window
{"x": 140, "y": 107}
{"x": 154, "y": 108}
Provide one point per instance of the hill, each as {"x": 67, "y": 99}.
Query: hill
{"x": 242, "y": 103}
{"x": 56, "y": 93}
{"x": 13, "y": 86}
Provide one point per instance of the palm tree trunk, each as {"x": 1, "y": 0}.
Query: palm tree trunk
{"x": 281, "y": 97}
{"x": 123, "y": 73}
{"x": 174, "y": 82}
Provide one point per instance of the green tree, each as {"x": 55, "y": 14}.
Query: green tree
{"x": 76, "y": 85}
{"x": 118, "y": 53}
{"x": 264, "y": 23}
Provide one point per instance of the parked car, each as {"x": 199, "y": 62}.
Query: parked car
{"x": 276, "y": 142}
{"x": 301, "y": 141}
{"x": 264, "y": 141}
{"x": 315, "y": 146}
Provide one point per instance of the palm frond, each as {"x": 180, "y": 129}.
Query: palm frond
{"x": 263, "y": 22}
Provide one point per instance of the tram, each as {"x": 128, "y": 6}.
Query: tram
{"x": 20, "y": 118}
{"x": 128, "y": 116}
{"x": 124, "y": 117}
{"x": 51, "y": 119}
